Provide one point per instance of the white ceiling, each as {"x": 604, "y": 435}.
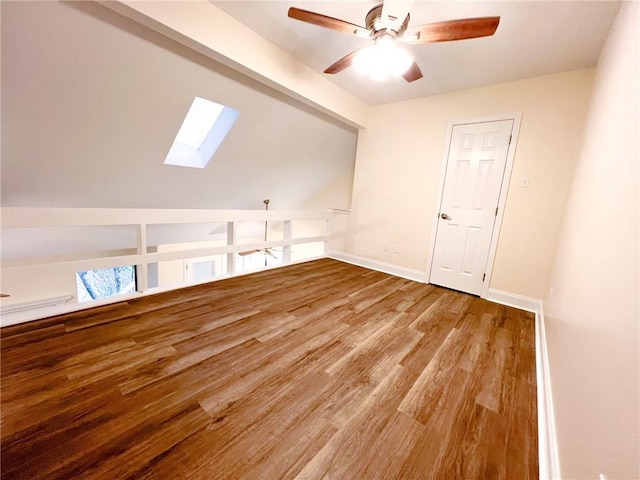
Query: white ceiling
{"x": 533, "y": 39}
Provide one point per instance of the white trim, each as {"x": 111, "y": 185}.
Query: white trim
{"x": 22, "y": 217}
{"x": 514, "y": 300}
{"x": 403, "y": 272}
{"x": 548, "y": 459}
{"x": 142, "y": 259}
{"x": 502, "y": 199}
{"x": 35, "y": 304}
{"x": 23, "y": 312}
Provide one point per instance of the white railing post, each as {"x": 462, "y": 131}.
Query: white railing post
{"x": 287, "y": 235}
{"x": 142, "y": 278}
{"x": 231, "y": 240}
{"x": 17, "y": 268}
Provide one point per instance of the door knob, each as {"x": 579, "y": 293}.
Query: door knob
{"x": 444, "y": 216}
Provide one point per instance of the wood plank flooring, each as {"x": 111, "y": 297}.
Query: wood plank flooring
{"x": 316, "y": 370}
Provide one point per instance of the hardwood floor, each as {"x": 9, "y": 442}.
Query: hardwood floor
{"x": 316, "y": 370}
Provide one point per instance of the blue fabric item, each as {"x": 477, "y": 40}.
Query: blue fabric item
{"x": 107, "y": 282}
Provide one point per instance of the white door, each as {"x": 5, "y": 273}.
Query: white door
{"x": 473, "y": 179}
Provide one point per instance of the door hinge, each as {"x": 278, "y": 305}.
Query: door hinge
{"x": 510, "y": 137}
{"x": 483, "y": 276}
{"x": 496, "y": 211}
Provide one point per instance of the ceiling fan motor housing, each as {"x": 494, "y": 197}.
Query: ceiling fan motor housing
{"x": 373, "y": 22}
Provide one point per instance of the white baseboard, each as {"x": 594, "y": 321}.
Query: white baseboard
{"x": 408, "y": 273}
{"x": 22, "y": 312}
{"x": 549, "y": 464}
{"x": 514, "y": 300}
{"x": 549, "y": 461}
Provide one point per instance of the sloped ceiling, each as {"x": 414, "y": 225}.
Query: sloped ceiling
{"x": 91, "y": 102}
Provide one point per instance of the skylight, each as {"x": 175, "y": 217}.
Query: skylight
{"x": 204, "y": 128}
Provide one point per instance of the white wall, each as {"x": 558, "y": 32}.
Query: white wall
{"x": 399, "y": 159}
{"x": 592, "y": 315}
{"x": 336, "y": 194}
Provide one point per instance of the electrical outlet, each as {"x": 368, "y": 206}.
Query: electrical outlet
{"x": 396, "y": 249}
{"x": 385, "y": 247}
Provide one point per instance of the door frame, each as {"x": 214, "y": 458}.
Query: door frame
{"x": 502, "y": 199}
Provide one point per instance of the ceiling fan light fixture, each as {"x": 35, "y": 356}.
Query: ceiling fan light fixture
{"x": 385, "y": 26}
{"x": 382, "y": 60}
{"x": 401, "y": 62}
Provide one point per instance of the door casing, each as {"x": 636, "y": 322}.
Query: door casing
{"x": 502, "y": 200}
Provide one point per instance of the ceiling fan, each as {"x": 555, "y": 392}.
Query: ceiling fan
{"x": 266, "y": 250}
{"x": 387, "y": 24}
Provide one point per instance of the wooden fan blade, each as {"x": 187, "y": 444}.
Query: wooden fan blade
{"x": 343, "y": 63}
{"x": 249, "y": 252}
{"x": 452, "y": 30}
{"x": 413, "y": 73}
{"x": 327, "y": 22}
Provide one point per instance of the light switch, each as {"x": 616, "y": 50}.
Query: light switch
{"x": 524, "y": 183}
